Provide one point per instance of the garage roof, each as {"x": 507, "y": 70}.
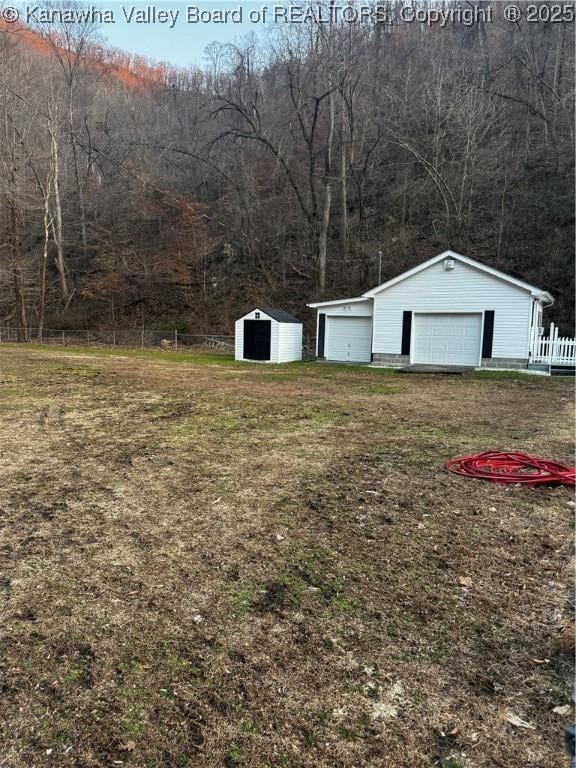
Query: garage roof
{"x": 334, "y": 302}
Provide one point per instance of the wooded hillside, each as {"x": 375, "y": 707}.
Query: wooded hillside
{"x": 133, "y": 193}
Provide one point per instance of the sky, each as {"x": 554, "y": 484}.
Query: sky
{"x": 181, "y": 42}
{"x": 185, "y": 42}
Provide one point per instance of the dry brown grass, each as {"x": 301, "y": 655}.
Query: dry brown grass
{"x": 268, "y": 568}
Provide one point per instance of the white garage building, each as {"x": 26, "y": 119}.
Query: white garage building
{"x": 268, "y": 336}
{"x": 450, "y": 310}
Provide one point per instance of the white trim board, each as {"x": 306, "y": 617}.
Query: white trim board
{"x": 336, "y": 301}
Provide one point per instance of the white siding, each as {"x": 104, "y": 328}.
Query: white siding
{"x": 289, "y": 342}
{"x": 285, "y": 339}
{"x": 356, "y": 309}
{"x": 463, "y": 289}
{"x": 239, "y": 339}
{"x": 274, "y": 340}
{"x": 239, "y": 335}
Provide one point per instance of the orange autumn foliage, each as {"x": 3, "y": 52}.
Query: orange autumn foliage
{"x": 134, "y": 72}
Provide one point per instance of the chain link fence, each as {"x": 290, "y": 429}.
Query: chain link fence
{"x": 134, "y": 339}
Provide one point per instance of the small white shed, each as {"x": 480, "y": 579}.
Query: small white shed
{"x": 268, "y": 336}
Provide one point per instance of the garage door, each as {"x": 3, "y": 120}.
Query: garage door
{"x": 349, "y": 339}
{"x": 447, "y": 339}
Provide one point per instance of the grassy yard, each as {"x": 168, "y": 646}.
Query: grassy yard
{"x": 204, "y": 563}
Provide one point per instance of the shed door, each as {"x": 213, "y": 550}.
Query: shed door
{"x": 257, "y": 335}
{"x": 451, "y": 339}
{"x": 349, "y": 339}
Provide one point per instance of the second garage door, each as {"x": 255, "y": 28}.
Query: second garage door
{"x": 349, "y": 339}
{"x": 447, "y": 339}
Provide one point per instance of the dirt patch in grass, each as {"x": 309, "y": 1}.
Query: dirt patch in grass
{"x": 206, "y": 565}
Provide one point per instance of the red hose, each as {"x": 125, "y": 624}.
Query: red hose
{"x": 512, "y": 467}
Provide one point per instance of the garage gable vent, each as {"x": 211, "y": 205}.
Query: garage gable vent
{"x": 448, "y": 264}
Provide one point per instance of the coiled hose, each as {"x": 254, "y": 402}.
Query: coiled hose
{"x": 512, "y": 467}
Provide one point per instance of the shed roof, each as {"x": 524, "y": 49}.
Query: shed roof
{"x": 280, "y": 315}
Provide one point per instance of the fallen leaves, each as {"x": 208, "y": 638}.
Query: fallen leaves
{"x": 513, "y": 719}
{"x": 563, "y": 710}
{"x": 390, "y": 702}
{"x": 128, "y": 746}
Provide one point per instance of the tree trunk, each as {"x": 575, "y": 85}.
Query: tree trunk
{"x": 21, "y": 314}
{"x": 325, "y": 222}
{"x": 343, "y": 198}
{"x": 322, "y": 241}
{"x": 501, "y": 224}
{"x": 20, "y": 302}
{"x": 15, "y": 244}
{"x": 79, "y": 184}
{"x": 42, "y": 291}
{"x": 58, "y": 235}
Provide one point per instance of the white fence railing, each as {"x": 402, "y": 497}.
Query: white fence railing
{"x": 553, "y": 349}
